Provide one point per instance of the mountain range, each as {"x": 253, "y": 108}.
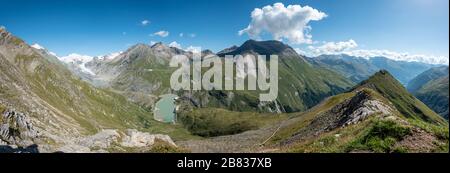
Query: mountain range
{"x": 358, "y": 69}
{"x": 377, "y": 115}
{"x": 43, "y": 103}
{"x": 431, "y": 87}
{"x": 143, "y": 70}
{"x": 105, "y": 104}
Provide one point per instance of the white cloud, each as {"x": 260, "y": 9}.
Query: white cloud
{"x": 282, "y": 22}
{"x": 152, "y": 42}
{"x": 348, "y": 48}
{"x": 175, "y": 44}
{"x": 429, "y": 59}
{"x": 181, "y": 34}
{"x": 37, "y": 46}
{"x": 333, "y": 47}
{"x": 145, "y": 22}
{"x": 192, "y": 35}
{"x": 161, "y": 33}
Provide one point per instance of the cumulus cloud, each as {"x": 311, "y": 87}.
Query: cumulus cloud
{"x": 145, "y": 22}
{"x": 181, "y": 34}
{"x": 175, "y": 44}
{"x": 161, "y": 33}
{"x": 282, "y": 22}
{"x": 333, "y": 47}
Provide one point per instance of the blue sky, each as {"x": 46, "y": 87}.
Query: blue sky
{"x": 98, "y": 27}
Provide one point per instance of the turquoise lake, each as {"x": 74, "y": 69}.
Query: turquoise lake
{"x": 165, "y": 109}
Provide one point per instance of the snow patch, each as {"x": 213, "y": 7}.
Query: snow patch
{"x": 37, "y": 46}
{"x": 78, "y": 60}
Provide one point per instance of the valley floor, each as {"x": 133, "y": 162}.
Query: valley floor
{"x": 247, "y": 142}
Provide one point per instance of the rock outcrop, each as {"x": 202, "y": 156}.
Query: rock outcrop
{"x": 111, "y": 140}
{"x": 16, "y": 129}
{"x": 351, "y": 111}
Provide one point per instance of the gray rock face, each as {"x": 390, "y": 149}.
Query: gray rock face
{"x": 102, "y": 139}
{"x": 16, "y": 129}
{"x": 350, "y": 111}
{"x": 135, "y": 138}
{"x": 112, "y": 139}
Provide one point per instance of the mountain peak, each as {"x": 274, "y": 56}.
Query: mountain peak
{"x": 37, "y": 46}
{"x": 157, "y": 44}
{"x": 8, "y": 38}
{"x": 227, "y": 50}
{"x": 207, "y": 52}
{"x": 139, "y": 46}
{"x": 409, "y": 106}
{"x": 381, "y": 77}
{"x": 269, "y": 47}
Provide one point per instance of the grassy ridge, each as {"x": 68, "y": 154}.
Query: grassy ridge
{"x": 406, "y": 104}
{"x": 376, "y": 134}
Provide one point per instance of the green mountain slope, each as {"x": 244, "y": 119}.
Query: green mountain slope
{"x": 378, "y": 115}
{"x": 425, "y": 77}
{"x": 409, "y": 106}
{"x": 301, "y": 85}
{"x": 144, "y": 70}
{"x": 431, "y": 87}
{"x": 435, "y": 94}
{"x": 358, "y": 69}
{"x": 58, "y": 106}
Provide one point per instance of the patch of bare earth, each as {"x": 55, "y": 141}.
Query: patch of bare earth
{"x": 419, "y": 141}
{"x": 249, "y": 141}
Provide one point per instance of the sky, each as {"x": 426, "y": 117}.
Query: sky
{"x": 408, "y": 29}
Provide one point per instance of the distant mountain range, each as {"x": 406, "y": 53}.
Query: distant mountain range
{"x": 143, "y": 70}
{"x": 358, "y": 68}
{"x": 432, "y": 88}
{"x": 325, "y": 104}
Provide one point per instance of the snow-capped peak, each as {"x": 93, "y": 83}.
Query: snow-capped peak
{"x": 109, "y": 56}
{"x": 76, "y": 58}
{"x": 79, "y": 61}
{"x": 37, "y": 46}
{"x": 52, "y": 53}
